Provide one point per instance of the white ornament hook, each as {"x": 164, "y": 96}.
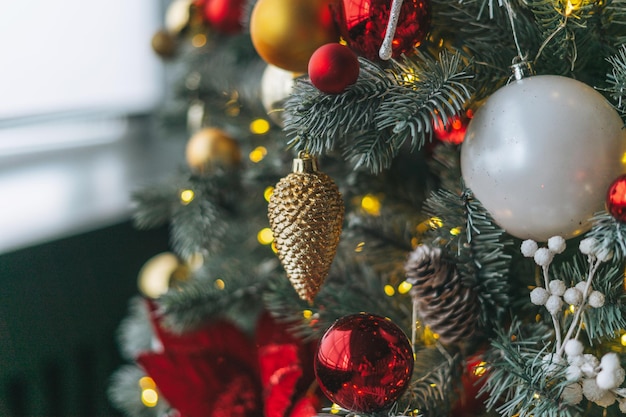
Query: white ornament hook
{"x": 385, "y": 51}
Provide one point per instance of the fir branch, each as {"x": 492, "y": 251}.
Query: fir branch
{"x": 476, "y": 245}
{"x": 433, "y": 382}
{"x": 610, "y": 234}
{"x": 371, "y": 121}
{"x": 616, "y": 79}
{"x": 518, "y": 381}
{"x": 154, "y": 205}
{"x": 135, "y": 333}
{"x": 125, "y": 394}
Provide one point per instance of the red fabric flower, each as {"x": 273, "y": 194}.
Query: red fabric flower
{"x": 217, "y": 371}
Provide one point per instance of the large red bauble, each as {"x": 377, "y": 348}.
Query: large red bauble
{"x": 224, "y": 15}
{"x": 616, "y": 198}
{"x": 363, "y": 24}
{"x": 333, "y": 67}
{"x": 364, "y": 362}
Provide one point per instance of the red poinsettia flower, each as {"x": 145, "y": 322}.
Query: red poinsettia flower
{"x": 217, "y": 371}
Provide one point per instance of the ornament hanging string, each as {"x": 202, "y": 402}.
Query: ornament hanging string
{"x": 511, "y": 14}
{"x": 385, "y": 51}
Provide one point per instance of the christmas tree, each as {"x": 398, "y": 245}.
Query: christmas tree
{"x": 399, "y": 208}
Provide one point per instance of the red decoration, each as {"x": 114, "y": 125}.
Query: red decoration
{"x": 363, "y": 24}
{"x": 364, "y": 362}
{"x": 469, "y": 402}
{"x": 616, "y": 199}
{"x": 333, "y": 67}
{"x": 454, "y": 131}
{"x": 217, "y": 371}
{"x": 224, "y": 15}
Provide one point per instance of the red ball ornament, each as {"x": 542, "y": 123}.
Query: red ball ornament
{"x": 333, "y": 67}
{"x": 364, "y": 362}
{"x": 224, "y": 15}
{"x": 616, "y": 198}
{"x": 363, "y": 24}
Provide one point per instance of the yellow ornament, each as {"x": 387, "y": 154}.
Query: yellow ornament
{"x": 160, "y": 273}
{"x": 164, "y": 44}
{"x": 285, "y": 33}
{"x": 211, "y": 148}
{"x": 306, "y": 214}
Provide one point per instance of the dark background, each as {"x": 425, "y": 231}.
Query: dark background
{"x": 60, "y": 306}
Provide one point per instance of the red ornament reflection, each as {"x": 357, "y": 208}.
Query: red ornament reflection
{"x": 364, "y": 362}
{"x": 616, "y": 199}
{"x": 363, "y": 24}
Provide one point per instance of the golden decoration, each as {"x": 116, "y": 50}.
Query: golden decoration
{"x": 211, "y": 148}
{"x": 306, "y": 214}
{"x": 164, "y": 44}
{"x": 160, "y": 273}
{"x": 285, "y": 33}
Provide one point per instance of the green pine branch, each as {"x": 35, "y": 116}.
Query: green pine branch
{"x": 373, "y": 119}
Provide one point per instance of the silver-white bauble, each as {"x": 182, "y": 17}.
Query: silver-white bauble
{"x": 540, "y": 155}
{"x": 276, "y": 85}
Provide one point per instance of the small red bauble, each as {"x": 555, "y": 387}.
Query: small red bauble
{"x": 364, "y": 362}
{"x": 224, "y": 15}
{"x": 333, "y": 67}
{"x": 616, "y": 199}
{"x": 363, "y": 24}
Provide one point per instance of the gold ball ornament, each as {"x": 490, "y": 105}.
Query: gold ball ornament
{"x": 164, "y": 44}
{"x": 306, "y": 214}
{"x": 212, "y": 148}
{"x": 285, "y": 33}
{"x": 160, "y": 273}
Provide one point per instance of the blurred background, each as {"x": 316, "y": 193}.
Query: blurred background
{"x": 79, "y": 85}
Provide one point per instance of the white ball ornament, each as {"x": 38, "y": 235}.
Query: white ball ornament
{"x": 540, "y": 155}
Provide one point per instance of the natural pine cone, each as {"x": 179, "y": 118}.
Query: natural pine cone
{"x": 443, "y": 302}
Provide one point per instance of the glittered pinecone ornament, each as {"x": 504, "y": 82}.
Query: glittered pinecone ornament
{"x": 443, "y": 302}
{"x": 306, "y": 216}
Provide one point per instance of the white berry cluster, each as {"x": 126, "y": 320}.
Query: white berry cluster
{"x": 556, "y": 293}
{"x": 596, "y": 380}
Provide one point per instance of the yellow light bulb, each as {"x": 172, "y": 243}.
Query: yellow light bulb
{"x": 220, "y": 284}
{"x": 371, "y": 204}
{"x": 307, "y": 314}
{"x": 359, "y": 247}
{"x": 187, "y": 196}
{"x": 258, "y": 154}
{"x": 389, "y": 290}
{"x": 265, "y": 236}
{"x": 267, "y": 194}
{"x": 455, "y": 231}
{"x": 404, "y": 287}
{"x": 259, "y": 126}
{"x": 199, "y": 40}
{"x": 149, "y": 397}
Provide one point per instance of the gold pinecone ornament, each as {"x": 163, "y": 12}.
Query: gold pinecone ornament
{"x": 306, "y": 214}
{"x": 446, "y": 305}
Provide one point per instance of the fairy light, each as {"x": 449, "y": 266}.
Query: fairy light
{"x": 259, "y": 126}
{"x": 265, "y": 236}
{"x": 572, "y": 308}
{"x": 307, "y": 314}
{"x": 187, "y": 196}
{"x": 258, "y": 154}
{"x": 274, "y": 247}
{"x": 149, "y": 395}
{"x": 389, "y": 290}
{"x": 622, "y": 340}
{"x": 624, "y": 159}
{"x": 455, "y": 231}
{"x": 220, "y": 284}
{"x": 435, "y": 222}
{"x": 199, "y": 40}
{"x": 480, "y": 369}
{"x": 335, "y": 409}
{"x": 267, "y": 194}
{"x": 404, "y": 287}
{"x": 359, "y": 247}
{"x": 371, "y": 204}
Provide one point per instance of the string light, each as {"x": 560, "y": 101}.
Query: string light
{"x": 199, "y": 40}
{"x": 334, "y": 409}
{"x": 307, "y": 314}
{"x": 480, "y": 369}
{"x": 149, "y": 396}
{"x": 265, "y": 236}
{"x": 220, "y": 284}
{"x": 455, "y": 231}
{"x": 359, "y": 247}
{"x": 187, "y": 196}
{"x": 267, "y": 194}
{"x": 371, "y": 204}
{"x": 622, "y": 339}
{"x": 389, "y": 290}
{"x": 404, "y": 287}
{"x": 258, "y": 154}
{"x": 259, "y": 126}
